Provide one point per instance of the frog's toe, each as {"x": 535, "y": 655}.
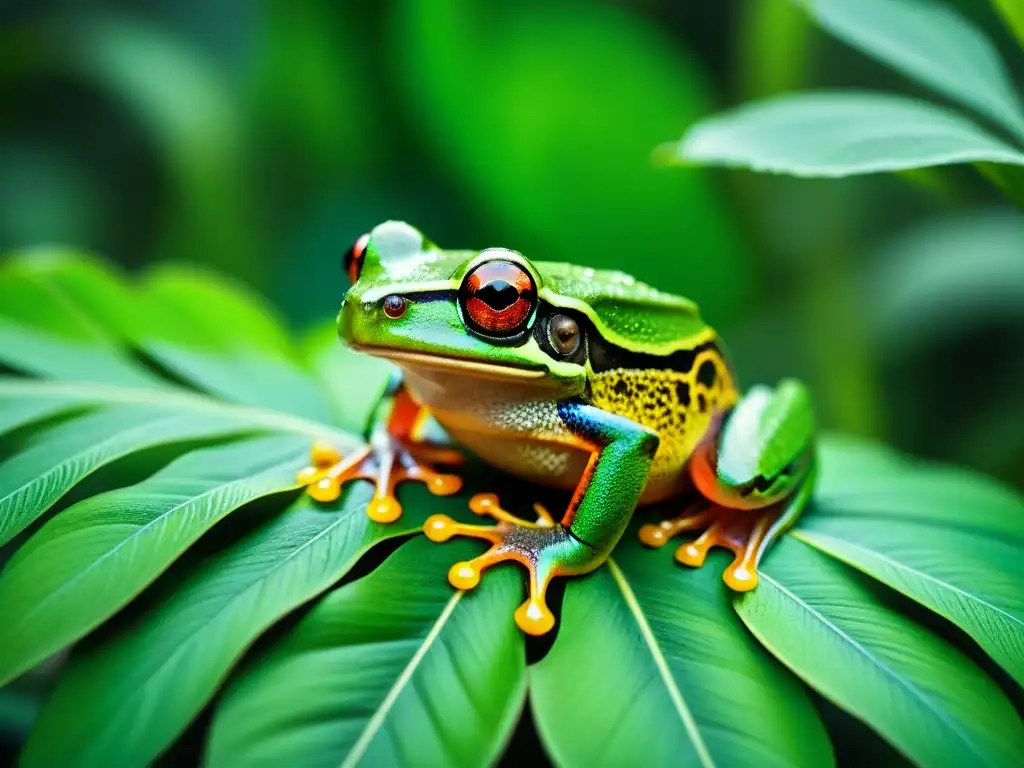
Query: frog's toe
{"x": 746, "y": 533}
{"x": 545, "y": 549}
{"x": 386, "y": 463}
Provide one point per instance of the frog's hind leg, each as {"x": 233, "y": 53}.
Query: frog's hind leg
{"x": 743, "y": 532}
{"x": 755, "y": 476}
{"x": 747, "y": 533}
{"x": 393, "y": 455}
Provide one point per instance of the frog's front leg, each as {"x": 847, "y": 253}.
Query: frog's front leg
{"x": 394, "y": 454}
{"x": 755, "y": 476}
{"x": 600, "y": 509}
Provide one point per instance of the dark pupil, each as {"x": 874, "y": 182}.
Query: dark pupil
{"x": 498, "y": 295}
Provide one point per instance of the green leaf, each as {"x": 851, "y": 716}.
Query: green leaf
{"x": 181, "y": 648}
{"x": 894, "y": 488}
{"x": 180, "y": 401}
{"x": 226, "y": 341}
{"x": 666, "y": 675}
{"x": 930, "y": 42}
{"x": 56, "y": 459}
{"x": 354, "y": 382}
{"x": 922, "y": 695}
{"x": 973, "y": 580}
{"x": 27, "y": 410}
{"x": 92, "y": 559}
{"x": 45, "y": 329}
{"x": 839, "y": 134}
{"x": 393, "y": 665}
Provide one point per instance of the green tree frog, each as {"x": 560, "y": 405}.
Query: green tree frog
{"x": 585, "y": 380}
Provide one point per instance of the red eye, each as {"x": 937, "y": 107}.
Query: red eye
{"x": 498, "y": 298}
{"x": 353, "y": 260}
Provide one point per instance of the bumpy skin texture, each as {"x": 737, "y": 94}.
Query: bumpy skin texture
{"x": 585, "y": 380}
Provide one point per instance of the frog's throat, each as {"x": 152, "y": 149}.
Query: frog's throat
{"x": 460, "y": 364}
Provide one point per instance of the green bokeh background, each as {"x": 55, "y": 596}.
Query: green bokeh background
{"x": 261, "y": 138}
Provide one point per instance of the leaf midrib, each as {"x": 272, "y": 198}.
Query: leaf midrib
{"x": 381, "y": 713}
{"x": 108, "y": 394}
{"x": 685, "y": 715}
{"x": 874, "y": 660}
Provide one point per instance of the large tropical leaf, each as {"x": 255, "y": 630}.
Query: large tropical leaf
{"x": 840, "y": 133}
{"x": 165, "y": 582}
{"x": 91, "y": 560}
{"x": 181, "y": 648}
{"x": 920, "y": 693}
{"x": 656, "y": 649}
{"x": 392, "y": 666}
{"x": 929, "y": 41}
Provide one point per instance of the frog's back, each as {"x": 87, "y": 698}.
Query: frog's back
{"x": 653, "y": 361}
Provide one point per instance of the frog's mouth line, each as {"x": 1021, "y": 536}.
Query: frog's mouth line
{"x": 461, "y": 364}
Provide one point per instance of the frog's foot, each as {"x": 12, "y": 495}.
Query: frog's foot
{"x": 544, "y": 548}
{"x": 386, "y": 462}
{"x": 746, "y": 532}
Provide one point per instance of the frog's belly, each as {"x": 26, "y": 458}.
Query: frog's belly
{"x": 515, "y": 427}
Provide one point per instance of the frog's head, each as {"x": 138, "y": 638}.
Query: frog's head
{"x": 472, "y": 312}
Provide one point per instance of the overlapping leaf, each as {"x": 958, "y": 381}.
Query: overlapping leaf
{"x": 393, "y": 669}
{"x": 92, "y": 559}
{"x": 179, "y": 650}
{"x": 651, "y": 664}
{"x": 656, "y": 649}
{"x": 926, "y": 698}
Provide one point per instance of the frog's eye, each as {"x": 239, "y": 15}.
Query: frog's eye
{"x": 564, "y": 335}
{"x": 498, "y": 298}
{"x": 352, "y": 262}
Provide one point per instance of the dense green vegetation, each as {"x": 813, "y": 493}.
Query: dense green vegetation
{"x": 154, "y": 408}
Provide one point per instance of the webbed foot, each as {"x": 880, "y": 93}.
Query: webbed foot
{"x": 386, "y": 461}
{"x": 545, "y": 548}
{"x": 745, "y": 532}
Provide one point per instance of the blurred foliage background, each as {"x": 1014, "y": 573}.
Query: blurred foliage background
{"x": 261, "y": 138}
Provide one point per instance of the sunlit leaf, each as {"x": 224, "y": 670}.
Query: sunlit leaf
{"x": 392, "y": 666}
{"x": 928, "y": 41}
{"x": 925, "y": 697}
{"x": 668, "y": 672}
{"x": 839, "y": 134}
{"x": 93, "y": 558}
{"x": 1013, "y": 12}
